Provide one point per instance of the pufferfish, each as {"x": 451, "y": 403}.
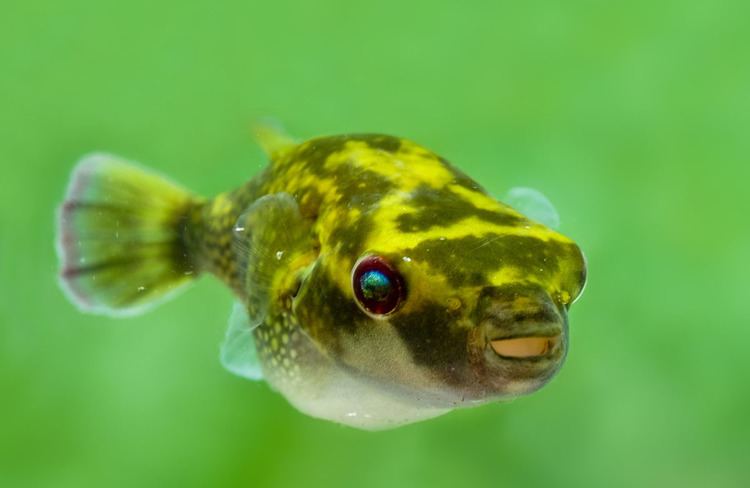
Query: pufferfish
{"x": 376, "y": 284}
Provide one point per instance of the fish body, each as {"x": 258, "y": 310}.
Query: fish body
{"x": 377, "y": 284}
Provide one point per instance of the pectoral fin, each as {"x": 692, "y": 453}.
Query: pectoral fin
{"x": 275, "y": 243}
{"x": 534, "y": 205}
{"x": 238, "y": 353}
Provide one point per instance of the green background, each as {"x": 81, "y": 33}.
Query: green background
{"x": 632, "y": 117}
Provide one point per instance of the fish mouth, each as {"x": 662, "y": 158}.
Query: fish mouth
{"x": 521, "y": 339}
{"x": 541, "y": 343}
{"x": 533, "y": 347}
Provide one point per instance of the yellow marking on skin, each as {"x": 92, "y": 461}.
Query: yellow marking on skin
{"x": 482, "y": 201}
{"x": 423, "y": 169}
{"x": 389, "y": 238}
{"x": 426, "y": 285}
{"x": 221, "y": 204}
{"x": 332, "y": 218}
{"x": 507, "y": 274}
{"x": 408, "y": 169}
{"x": 295, "y": 180}
{"x": 353, "y": 214}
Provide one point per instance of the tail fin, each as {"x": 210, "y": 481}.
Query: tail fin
{"x": 120, "y": 237}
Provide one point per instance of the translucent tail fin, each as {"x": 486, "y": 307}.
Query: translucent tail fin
{"x": 120, "y": 237}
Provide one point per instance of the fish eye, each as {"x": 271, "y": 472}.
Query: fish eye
{"x": 378, "y": 287}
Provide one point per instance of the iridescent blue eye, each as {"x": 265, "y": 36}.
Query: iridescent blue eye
{"x": 379, "y": 288}
{"x": 375, "y": 285}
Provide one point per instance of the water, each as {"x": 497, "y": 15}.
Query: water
{"x": 632, "y": 118}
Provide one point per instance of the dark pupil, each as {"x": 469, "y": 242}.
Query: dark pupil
{"x": 375, "y": 285}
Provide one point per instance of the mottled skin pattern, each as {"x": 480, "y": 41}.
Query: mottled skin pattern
{"x": 474, "y": 269}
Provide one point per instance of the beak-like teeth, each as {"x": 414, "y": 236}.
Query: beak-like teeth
{"x": 524, "y": 347}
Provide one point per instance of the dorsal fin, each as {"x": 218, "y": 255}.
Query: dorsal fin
{"x": 272, "y": 137}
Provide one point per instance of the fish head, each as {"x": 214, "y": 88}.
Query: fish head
{"x": 427, "y": 287}
{"x": 449, "y": 321}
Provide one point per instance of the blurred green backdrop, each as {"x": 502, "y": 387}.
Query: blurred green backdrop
{"x": 632, "y": 117}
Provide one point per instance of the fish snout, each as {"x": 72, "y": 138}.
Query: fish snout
{"x": 521, "y": 332}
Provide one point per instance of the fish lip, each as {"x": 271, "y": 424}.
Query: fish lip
{"x": 552, "y": 331}
{"x": 552, "y": 349}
